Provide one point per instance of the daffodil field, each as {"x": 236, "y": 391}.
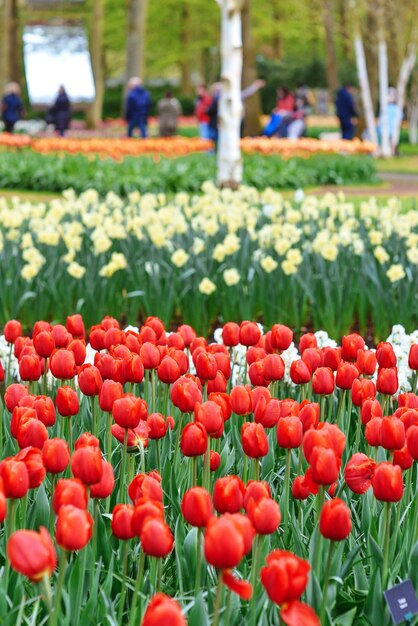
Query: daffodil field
{"x": 209, "y": 257}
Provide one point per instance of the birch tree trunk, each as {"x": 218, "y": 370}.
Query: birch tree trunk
{"x": 14, "y": 38}
{"x": 413, "y": 112}
{"x": 5, "y": 19}
{"x": 94, "y": 115}
{"x": 135, "y": 51}
{"x": 366, "y": 95}
{"x": 251, "y": 105}
{"x": 185, "y": 65}
{"x": 230, "y": 103}
{"x": 331, "y": 53}
{"x": 406, "y": 70}
{"x": 386, "y": 149}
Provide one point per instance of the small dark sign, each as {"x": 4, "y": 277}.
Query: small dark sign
{"x": 402, "y": 602}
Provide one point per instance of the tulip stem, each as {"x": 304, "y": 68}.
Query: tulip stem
{"x": 138, "y": 583}
{"x": 81, "y": 586}
{"x": 94, "y": 542}
{"x": 11, "y": 523}
{"x": 178, "y": 435}
{"x": 157, "y": 447}
{"x": 206, "y": 468}
{"x": 93, "y": 416}
{"x": 358, "y": 433}
{"x": 322, "y": 409}
{"x": 341, "y": 404}
{"x": 51, "y": 508}
{"x": 254, "y": 574}
{"x": 256, "y": 469}
{"x": 318, "y": 547}
{"x": 142, "y": 455}
{"x": 326, "y": 582}
{"x": 153, "y": 390}
{"x": 53, "y": 619}
{"x": 287, "y": 494}
{"x": 217, "y": 603}
{"x": 109, "y": 437}
{"x": 386, "y": 526}
{"x": 199, "y": 560}
{"x": 122, "y": 493}
{"x": 48, "y": 593}
{"x": 9, "y": 363}
{"x": 123, "y": 587}
{"x": 414, "y": 529}
{"x": 194, "y": 471}
{"x": 44, "y": 376}
{"x": 70, "y": 434}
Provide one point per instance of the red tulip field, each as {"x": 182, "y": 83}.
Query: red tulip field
{"x": 160, "y": 478}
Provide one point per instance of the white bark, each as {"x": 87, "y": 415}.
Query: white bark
{"x": 413, "y": 124}
{"x": 230, "y": 103}
{"x": 405, "y": 72}
{"x": 386, "y": 149}
{"x": 137, "y": 16}
{"x": 366, "y": 95}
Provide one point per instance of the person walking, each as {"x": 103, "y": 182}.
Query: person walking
{"x": 138, "y": 104}
{"x": 346, "y": 111}
{"x": 203, "y": 103}
{"x": 11, "y": 107}
{"x": 60, "y": 112}
{"x": 168, "y": 109}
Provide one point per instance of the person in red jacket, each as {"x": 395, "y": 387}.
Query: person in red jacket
{"x": 203, "y": 102}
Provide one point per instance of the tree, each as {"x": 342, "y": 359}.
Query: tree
{"x": 383, "y": 79}
{"x": 135, "y": 49}
{"x": 5, "y": 23}
{"x": 94, "y": 114}
{"x": 185, "y": 62}
{"x": 249, "y": 74}
{"x": 331, "y": 53}
{"x": 230, "y": 104}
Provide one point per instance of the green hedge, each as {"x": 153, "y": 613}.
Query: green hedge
{"x": 39, "y": 172}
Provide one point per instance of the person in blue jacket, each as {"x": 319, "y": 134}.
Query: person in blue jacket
{"x": 11, "y": 106}
{"x": 138, "y": 104}
{"x": 346, "y": 111}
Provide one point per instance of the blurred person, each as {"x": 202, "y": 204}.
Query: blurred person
{"x": 60, "y": 112}
{"x": 168, "y": 109}
{"x": 213, "y": 112}
{"x": 203, "y": 102}
{"x": 11, "y": 106}
{"x": 346, "y": 111}
{"x": 285, "y": 100}
{"x": 297, "y": 125}
{"x": 138, "y": 104}
{"x": 394, "y": 116}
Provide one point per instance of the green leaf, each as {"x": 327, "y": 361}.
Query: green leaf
{"x": 198, "y": 616}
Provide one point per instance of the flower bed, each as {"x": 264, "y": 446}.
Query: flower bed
{"x": 175, "y": 494}
{"x": 219, "y": 254}
{"x": 305, "y": 146}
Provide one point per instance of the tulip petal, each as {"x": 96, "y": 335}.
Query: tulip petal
{"x": 299, "y": 614}
{"x": 241, "y": 587}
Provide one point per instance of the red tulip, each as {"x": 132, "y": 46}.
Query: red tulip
{"x": 369, "y": 409}
{"x": 254, "y": 440}
{"x": 331, "y": 357}
{"x": 308, "y": 340}
{"x": 346, "y": 375}
{"x": 312, "y": 357}
{"x": 121, "y": 524}
{"x": 403, "y": 458}
{"x": 300, "y": 372}
{"x": 387, "y": 381}
{"x": 168, "y": 370}
{"x": 185, "y": 394}
{"x": 69, "y": 491}
{"x": 32, "y": 458}
{"x": 392, "y": 433}
{"x": 387, "y": 482}
{"x": 385, "y": 355}
{"x": 144, "y": 509}
{"x": 89, "y": 380}
{"x": 309, "y": 415}
{"x": 230, "y": 334}
{"x": 13, "y": 394}
{"x": 299, "y": 614}
{"x": 67, "y": 401}
{"x": 325, "y": 465}
{"x": 44, "y": 343}
{"x": 55, "y": 455}
{"x": 104, "y": 487}
{"x": 412, "y": 441}
{"x": 61, "y": 336}
{"x": 74, "y": 528}
{"x": 228, "y": 494}
{"x": 62, "y": 364}
{"x": 224, "y": 543}
{"x": 413, "y": 357}
{"x": 206, "y": 366}
{"x": 75, "y": 325}
{"x": 289, "y": 432}
{"x": 146, "y": 486}
{"x": 323, "y": 381}
{"x": 366, "y": 362}
{"x": 249, "y": 333}
{"x": 362, "y": 389}
{"x": 32, "y": 553}
{"x": 31, "y": 432}
{"x": 335, "y": 520}
{"x": 30, "y": 367}
{"x": 45, "y": 410}
{"x": 265, "y": 516}
{"x": 12, "y": 330}
{"x": 350, "y": 346}
{"x": 129, "y": 410}
{"x": 163, "y": 610}
{"x": 197, "y": 506}
{"x": 210, "y": 415}
{"x": 281, "y": 337}
{"x": 285, "y": 576}
{"x": 214, "y": 460}
{"x": 373, "y": 430}
{"x": 86, "y": 440}
{"x": 109, "y": 392}
{"x": 358, "y": 473}
{"x": 156, "y": 538}
{"x": 273, "y": 367}
{"x": 86, "y": 464}
{"x": 256, "y": 491}
{"x": 241, "y": 400}
{"x": 194, "y": 439}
